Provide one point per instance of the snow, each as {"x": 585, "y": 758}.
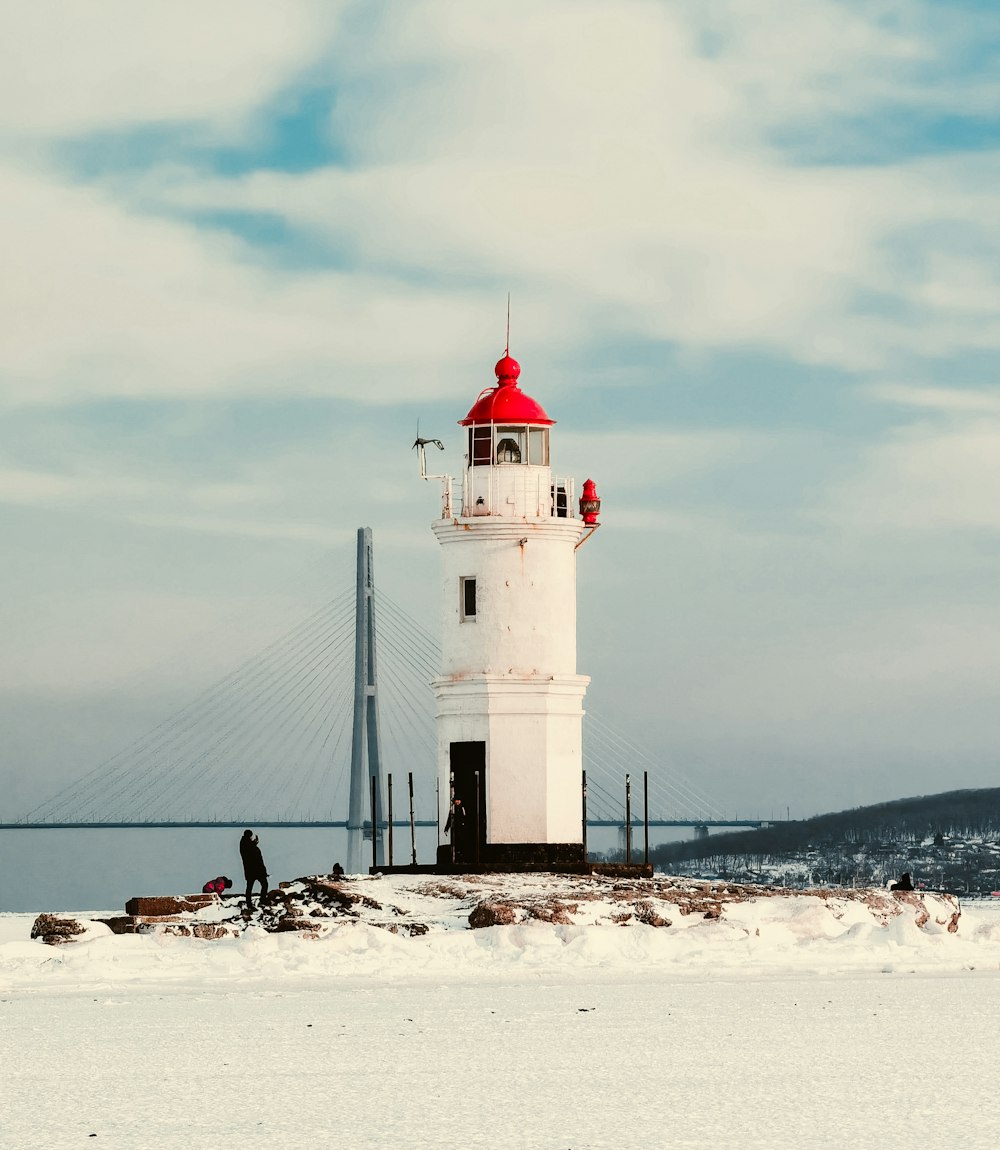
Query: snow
{"x": 788, "y": 1022}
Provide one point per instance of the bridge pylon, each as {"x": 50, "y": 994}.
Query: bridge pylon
{"x": 366, "y": 742}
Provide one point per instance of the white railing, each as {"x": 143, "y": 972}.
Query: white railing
{"x": 521, "y": 492}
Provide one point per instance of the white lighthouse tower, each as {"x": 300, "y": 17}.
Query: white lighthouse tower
{"x": 509, "y": 699}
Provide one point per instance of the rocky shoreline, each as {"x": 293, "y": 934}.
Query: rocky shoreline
{"x": 418, "y": 905}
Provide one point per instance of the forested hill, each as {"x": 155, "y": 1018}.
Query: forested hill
{"x": 967, "y": 814}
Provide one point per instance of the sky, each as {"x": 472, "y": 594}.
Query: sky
{"x": 751, "y": 252}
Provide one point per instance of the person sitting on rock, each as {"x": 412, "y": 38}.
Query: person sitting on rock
{"x": 337, "y": 872}
{"x": 905, "y": 882}
{"x": 217, "y": 885}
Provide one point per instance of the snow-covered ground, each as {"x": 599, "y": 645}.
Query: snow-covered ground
{"x": 782, "y": 1024}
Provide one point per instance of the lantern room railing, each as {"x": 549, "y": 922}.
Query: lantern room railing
{"x": 515, "y": 492}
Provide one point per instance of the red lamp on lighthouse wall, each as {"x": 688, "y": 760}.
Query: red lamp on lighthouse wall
{"x": 590, "y": 505}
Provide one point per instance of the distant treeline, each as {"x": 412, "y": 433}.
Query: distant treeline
{"x": 965, "y": 814}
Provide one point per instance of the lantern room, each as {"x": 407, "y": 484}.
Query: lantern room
{"x": 507, "y": 452}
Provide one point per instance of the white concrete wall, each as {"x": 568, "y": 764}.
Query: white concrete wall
{"x": 532, "y": 730}
{"x": 526, "y": 596}
{"x": 512, "y": 489}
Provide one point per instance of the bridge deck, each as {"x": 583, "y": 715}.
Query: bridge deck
{"x": 342, "y": 824}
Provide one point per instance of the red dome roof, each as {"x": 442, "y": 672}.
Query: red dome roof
{"x": 506, "y": 403}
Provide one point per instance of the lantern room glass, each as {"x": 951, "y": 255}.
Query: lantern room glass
{"x": 481, "y": 445}
{"x": 538, "y": 446}
{"x": 508, "y": 444}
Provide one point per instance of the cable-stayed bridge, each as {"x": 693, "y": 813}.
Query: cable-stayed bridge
{"x": 276, "y": 742}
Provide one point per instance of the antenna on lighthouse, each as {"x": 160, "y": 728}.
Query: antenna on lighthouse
{"x": 506, "y": 349}
{"x": 420, "y": 444}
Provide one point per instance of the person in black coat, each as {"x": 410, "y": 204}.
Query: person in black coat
{"x": 253, "y": 866}
{"x": 456, "y": 826}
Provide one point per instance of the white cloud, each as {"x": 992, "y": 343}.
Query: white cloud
{"x": 102, "y": 301}
{"x": 927, "y": 478}
{"x": 68, "y": 68}
{"x": 959, "y": 401}
{"x": 596, "y": 159}
{"x": 625, "y": 180}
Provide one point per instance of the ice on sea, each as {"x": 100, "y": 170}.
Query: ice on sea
{"x": 786, "y": 1022}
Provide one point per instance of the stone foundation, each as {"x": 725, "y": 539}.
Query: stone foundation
{"x": 514, "y": 858}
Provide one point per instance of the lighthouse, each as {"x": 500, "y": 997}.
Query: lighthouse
{"x": 509, "y": 698}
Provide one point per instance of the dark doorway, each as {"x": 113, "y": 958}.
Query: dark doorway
{"x": 468, "y": 777}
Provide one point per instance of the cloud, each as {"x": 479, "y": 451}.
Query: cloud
{"x": 838, "y": 59}
{"x": 936, "y": 470}
{"x": 104, "y": 301}
{"x": 956, "y": 401}
{"x": 615, "y": 168}
{"x": 622, "y": 179}
{"x": 66, "y": 70}
{"x": 927, "y": 479}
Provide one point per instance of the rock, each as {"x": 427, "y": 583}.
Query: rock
{"x": 120, "y": 924}
{"x": 158, "y": 906}
{"x": 492, "y": 914}
{"x": 54, "y": 931}
{"x": 297, "y": 924}
{"x": 212, "y": 930}
{"x": 646, "y": 912}
{"x": 553, "y": 911}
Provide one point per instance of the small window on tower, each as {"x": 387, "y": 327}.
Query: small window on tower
{"x": 467, "y": 597}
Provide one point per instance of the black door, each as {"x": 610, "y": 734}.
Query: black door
{"x": 468, "y": 779}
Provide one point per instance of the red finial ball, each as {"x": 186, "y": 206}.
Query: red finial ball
{"x": 507, "y": 369}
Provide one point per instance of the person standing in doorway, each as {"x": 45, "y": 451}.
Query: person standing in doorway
{"x": 253, "y": 866}
{"x": 456, "y": 825}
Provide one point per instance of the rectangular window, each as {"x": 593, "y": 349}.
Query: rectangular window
{"x": 538, "y": 446}
{"x": 560, "y": 503}
{"x": 467, "y": 597}
{"x": 481, "y": 445}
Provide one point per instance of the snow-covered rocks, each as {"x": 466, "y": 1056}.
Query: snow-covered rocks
{"x": 420, "y": 905}
{"x": 56, "y": 929}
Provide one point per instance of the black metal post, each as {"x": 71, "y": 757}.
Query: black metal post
{"x": 390, "y": 818}
{"x": 413, "y": 825}
{"x": 374, "y": 828}
{"x": 645, "y": 815}
{"x": 451, "y": 808}
{"x": 628, "y": 820}
{"x": 478, "y": 822}
{"x": 584, "y": 816}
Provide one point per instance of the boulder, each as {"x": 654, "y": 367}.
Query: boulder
{"x": 52, "y": 929}
{"x": 492, "y": 914}
{"x": 160, "y": 905}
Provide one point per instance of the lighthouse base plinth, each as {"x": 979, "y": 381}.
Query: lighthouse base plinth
{"x": 568, "y": 857}
{"x": 529, "y": 864}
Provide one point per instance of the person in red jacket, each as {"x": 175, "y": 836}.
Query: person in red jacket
{"x": 217, "y": 885}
